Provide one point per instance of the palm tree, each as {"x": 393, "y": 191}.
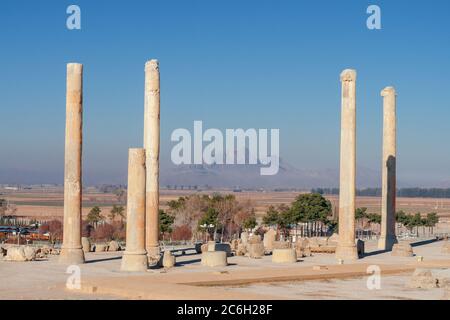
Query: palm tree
{"x": 117, "y": 211}
{"x": 94, "y": 216}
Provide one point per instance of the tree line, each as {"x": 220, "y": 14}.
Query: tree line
{"x": 401, "y": 192}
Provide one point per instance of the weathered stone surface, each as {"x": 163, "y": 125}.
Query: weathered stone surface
{"x": 86, "y": 243}
{"x": 204, "y": 247}
{"x": 234, "y": 244}
{"x": 20, "y": 253}
{"x": 101, "y": 247}
{"x": 152, "y": 149}
{"x": 214, "y": 259}
{"x": 388, "y": 189}
{"x": 281, "y": 245}
{"x": 169, "y": 260}
{"x": 423, "y": 278}
{"x": 269, "y": 239}
{"x": 255, "y": 250}
{"x": 402, "y": 249}
{"x": 241, "y": 250}
{"x": 71, "y": 249}
{"x": 346, "y": 248}
{"x": 30, "y": 253}
{"x": 302, "y": 247}
{"x": 2, "y": 252}
{"x": 113, "y": 246}
{"x": 254, "y": 239}
{"x": 244, "y": 237}
{"x": 211, "y": 246}
{"x": 135, "y": 256}
{"x": 284, "y": 256}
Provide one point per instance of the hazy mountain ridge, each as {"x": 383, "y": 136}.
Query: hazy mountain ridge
{"x": 228, "y": 176}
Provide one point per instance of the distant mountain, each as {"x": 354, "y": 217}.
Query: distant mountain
{"x": 248, "y": 176}
{"x": 229, "y": 176}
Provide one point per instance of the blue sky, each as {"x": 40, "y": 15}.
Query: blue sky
{"x": 232, "y": 64}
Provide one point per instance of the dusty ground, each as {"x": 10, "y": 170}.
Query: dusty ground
{"x": 244, "y": 278}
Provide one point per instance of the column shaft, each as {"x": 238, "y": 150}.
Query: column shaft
{"x": 135, "y": 255}
{"x": 346, "y": 248}
{"x": 388, "y": 238}
{"x": 71, "y": 251}
{"x": 151, "y": 145}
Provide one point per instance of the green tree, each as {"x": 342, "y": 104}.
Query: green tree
{"x": 272, "y": 217}
{"x": 165, "y": 222}
{"x": 281, "y": 217}
{"x": 360, "y": 213}
{"x": 250, "y": 223}
{"x": 94, "y": 216}
{"x": 117, "y": 211}
{"x": 431, "y": 220}
{"x": 313, "y": 209}
{"x": 210, "y": 218}
{"x": 374, "y": 218}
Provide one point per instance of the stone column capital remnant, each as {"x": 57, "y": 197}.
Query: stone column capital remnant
{"x": 388, "y": 91}
{"x": 348, "y": 75}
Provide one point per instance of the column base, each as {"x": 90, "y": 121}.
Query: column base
{"x": 153, "y": 255}
{"x": 71, "y": 256}
{"x": 134, "y": 262}
{"x": 347, "y": 252}
{"x": 386, "y": 243}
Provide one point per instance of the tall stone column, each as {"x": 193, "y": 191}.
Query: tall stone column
{"x": 71, "y": 250}
{"x": 388, "y": 190}
{"x": 346, "y": 248}
{"x": 151, "y": 145}
{"x": 135, "y": 256}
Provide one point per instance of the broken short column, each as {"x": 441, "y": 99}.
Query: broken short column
{"x": 71, "y": 250}
{"x": 388, "y": 190}
{"x": 346, "y": 249}
{"x": 135, "y": 255}
{"x": 151, "y": 145}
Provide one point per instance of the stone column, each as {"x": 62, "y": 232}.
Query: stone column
{"x": 346, "y": 248}
{"x": 135, "y": 255}
{"x": 71, "y": 250}
{"x": 151, "y": 145}
{"x": 388, "y": 191}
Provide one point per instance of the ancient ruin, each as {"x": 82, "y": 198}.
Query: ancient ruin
{"x": 346, "y": 248}
{"x": 72, "y": 250}
{"x": 151, "y": 146}
{"x": 135, "y": 255}
{"x": 388, "y": 193}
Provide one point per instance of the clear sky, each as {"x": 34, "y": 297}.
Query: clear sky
{"x": 232, "y": 64}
